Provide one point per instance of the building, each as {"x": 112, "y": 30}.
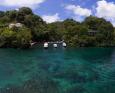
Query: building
{"x": 15, "y": 25}
{"x": 11, "y": 25}
{"x": 18, "y": 25}
{"x": 92, "y": 32}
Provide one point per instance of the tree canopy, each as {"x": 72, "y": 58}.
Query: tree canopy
{"x": 93, "y": 31}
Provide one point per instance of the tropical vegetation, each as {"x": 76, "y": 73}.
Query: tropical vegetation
{"x": 93, "y": 31}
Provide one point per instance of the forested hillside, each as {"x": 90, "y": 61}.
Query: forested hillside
{"x": 92, "y": 31}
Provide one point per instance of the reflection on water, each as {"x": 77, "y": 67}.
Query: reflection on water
{"x": 80, "y": 70}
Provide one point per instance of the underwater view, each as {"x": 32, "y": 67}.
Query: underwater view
{"x": 57, "y": 70}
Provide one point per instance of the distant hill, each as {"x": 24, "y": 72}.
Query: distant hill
{"x": 18, "y": 28}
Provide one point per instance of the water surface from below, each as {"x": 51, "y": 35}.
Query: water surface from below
{"x": 78, "y": 70}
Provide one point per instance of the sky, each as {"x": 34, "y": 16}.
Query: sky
{"x": 59, "y": 10}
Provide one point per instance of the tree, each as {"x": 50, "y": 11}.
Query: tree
{"x": 6, "y": 37}
{"x": 23, "y": 38}
{"x": 35, "y": 29}
{"x": 56, "y": 31}
{"x": 2, "y": 14}
{"x": 12, "y": 15}
{"x": 25, "y": 11}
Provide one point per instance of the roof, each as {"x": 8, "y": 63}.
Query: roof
{"x": 92, "y": 31}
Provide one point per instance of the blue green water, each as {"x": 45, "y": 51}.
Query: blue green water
{"x": 76, "y": 70}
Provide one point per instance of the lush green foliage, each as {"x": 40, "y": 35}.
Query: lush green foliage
{"x": 92, "y": 31}
{"x": 19, "y": 38}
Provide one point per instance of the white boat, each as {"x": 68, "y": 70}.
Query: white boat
{"x": 55, "y": 45}
{"x": 45, "y": 45}
{"x": 64, "y": 44}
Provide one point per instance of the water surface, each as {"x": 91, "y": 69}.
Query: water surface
{"x": 76, "y": 70}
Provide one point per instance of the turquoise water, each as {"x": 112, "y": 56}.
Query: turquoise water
{"x": 77, "y": 70}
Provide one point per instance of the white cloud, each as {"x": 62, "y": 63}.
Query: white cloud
{"x": 51, "y": 18}
{"x": 78, "y": 18}
{"x": 106, "y": 9}
{"x": 20, "y": 3}
{"x": 78, "y": 10}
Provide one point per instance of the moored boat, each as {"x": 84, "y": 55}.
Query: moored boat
{"x": 45, "y": 45}
{"x": 64, "y": 44}
{"x": 55, "y": 45}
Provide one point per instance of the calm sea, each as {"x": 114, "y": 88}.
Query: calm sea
{"x": 69, "y": 70}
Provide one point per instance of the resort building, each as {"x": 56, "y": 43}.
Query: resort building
{"x": 15, "y": 25}
{"x": 92, "y": 32}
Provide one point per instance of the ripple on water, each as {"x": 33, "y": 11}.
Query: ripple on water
{"x": 80, "y": 70}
